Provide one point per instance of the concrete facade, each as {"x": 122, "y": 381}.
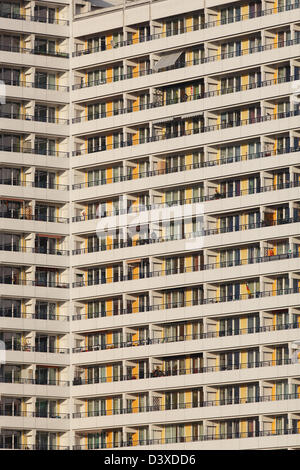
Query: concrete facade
{"x": 178, "y": 122}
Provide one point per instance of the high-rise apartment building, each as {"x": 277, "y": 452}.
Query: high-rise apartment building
{"x": 150, "y": 224}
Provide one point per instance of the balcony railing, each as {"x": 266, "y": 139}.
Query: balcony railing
{"x": 186, "y": 439}
{"x": 35, "y": 18}
{"x": 17, "y": 346}
{"x": 117, "y": 244}
{"x": 16, "y": 214}
{"x": 180, "y": 202}
{"x": 24, "y": 249}
{"x": 181, "y": 372}
{"x": 33, "y": 184}
{"x": 192, "y": 166}
{"x": 36, "y": 283}
{"x": 27, "y": 381}
{"x": 35, "y": 51}
{"x": 190, "y": 269}
{"x": 36, "y": 118}
{"x": 15, "y": 313}
{"x": 200, "y": 26}
{"x": 186, "y": 132}
{"x": 187, "y": 405}
{"x": 9, "y": 410}
{"x": 41, "y": 85}
{"x": 36, "y": 150}
{"x": 18, "y": 446}
{"x": 185, "y": 99}
{"x": 191, "y": 337}
{"x": 189, "y": 303}
{"x": 184, "y": 64}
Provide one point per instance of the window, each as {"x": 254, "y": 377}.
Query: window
{"x": 231, "y": 14}
{"x": 45, "y": 146}
{"x": 10, "y": 110}
{"x": 96, "y": 144}
{"x": 230, "y": 154}
{"x": 43, "y": 14}
{"x": 10, "y": 76}
{"x": 96, "y": 77}
{"x": 45, "y": 80}
{"x": 254, "y": 45}
{"x": 45, "y": 213}
{"x": 96, "y": 44}
{"x": 11, "y": 176}
{"x": 10, "y": 43}
{"x": 174, "y": 26}
{"x": 198, "y": 56}
{"x": 230, "y": 119}
{"x": 144, "y": 135}
{"x": 230, "y": 84}
{"x": 44, "y": 46}
{"x": 198, "y": 21}
{"x": 117, "y": 139}
{"x": 231, "y": 49}
{"x": 44, "y": 113}
{"x": 118, "y": 73}
{"x": 117, "y": 39}
{"x": 175, "y": 163}
{"x": 254, "y": 150}
{"x": 10, "y": 10}
{"x": 255, "y": 9}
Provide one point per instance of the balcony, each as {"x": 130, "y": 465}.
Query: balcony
{"x": 184, "y": 64}
{"x": 11, "y": 313}
{"x": 34, "y": 51}
{"x": 117, "y": 244}
{"x": 11, "y": 411}
{"x": 190, "y": 439}
{"x": 35, "y": 283}
{"x": 187, "y": 405}
{"x": 36, "y": 150}
{"x": 203, "y": 301}
{"x": 191, "y": 269}
{"x": 17, "y": 346}
{"x": 193, "y": 166}
{"x": 159, "y": 373}
{"x": 224, "y": 195}
{"x": 201, "y": 26}
{"x": 27, "y": 381}
{"x": 185, "y": 132}
{"x": 36, "y": 84}
{"x": 18, "y": 446}
{"x": 36, "y": 18}
{"x": 185, "y": 99}
{"x": 36, "y": 118}
{"x": 26, "y": 255}
{"x": 15, "y": 214}
{"x": 191, "y": 337}
{"x": 33, "y": 184}
{"x": 23, "y": 249}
